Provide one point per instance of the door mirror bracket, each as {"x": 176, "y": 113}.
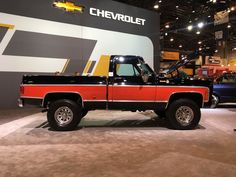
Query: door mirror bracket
{"x": 145, "y": 76}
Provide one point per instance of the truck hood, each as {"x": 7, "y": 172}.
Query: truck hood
{"x": 181, "y": 63}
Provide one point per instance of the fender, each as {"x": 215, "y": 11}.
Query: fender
{"x": 48, "y": 93}
{"x": 187, "y": 94}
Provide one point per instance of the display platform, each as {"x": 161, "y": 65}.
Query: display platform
{"x": 119, "y": 144}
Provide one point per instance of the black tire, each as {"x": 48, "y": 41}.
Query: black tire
{"x": 214, "y": 101}
{"x": 183, "y": 114}
{"x": 64, "y": 115}
{"x": 161, "y": 114}
{"x": 84, "y": 112}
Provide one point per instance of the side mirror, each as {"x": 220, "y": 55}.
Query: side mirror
{"x": 145, "y": 76}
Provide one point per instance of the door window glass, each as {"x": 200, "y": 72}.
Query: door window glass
{"x": 126, "y": 70}
{"x": 228, "y": 78}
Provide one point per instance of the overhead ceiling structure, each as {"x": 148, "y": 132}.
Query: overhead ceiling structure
{"x": 188, "y": 25}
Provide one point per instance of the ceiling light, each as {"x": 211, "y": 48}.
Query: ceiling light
{"x": 229, "y": 26}
{"x": 167, "y": 26}
{"x": 214, "y": 1}
{"x": 199, "y": 42}
{"x": 171, "y": 39}
{"x": 177, "y": 18}
{"x": 160, "y": 1}
{"x": 234, "y": 49}
{"x": 180, "y": 46}
{"x": 190, "y": 21}
{"x": 193, "y": 11}
{"x": 177, "y": 7}
{"x": 200, "y": 24}
{"x": 209, "y": 16}
{"x": 190, "y": 27}
{"x": 200, "y": 49}
{"x": 198, "y": 32}
{"x": 232, "y": 8}
{"x": 156, "y": 6}
{"x": 166, "y": 34}
{"x": 216, "y": 51}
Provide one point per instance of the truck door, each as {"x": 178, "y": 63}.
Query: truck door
{"x": 128, "y": 90}
{"x": 225, "y": 88}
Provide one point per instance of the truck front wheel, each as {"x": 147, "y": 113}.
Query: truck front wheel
{"x": 84, "y": 112}
{"x": 183, "y": 114}
{"x": 64, "y": 115}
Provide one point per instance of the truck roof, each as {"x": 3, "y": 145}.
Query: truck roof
{"x": 128, "y": 58}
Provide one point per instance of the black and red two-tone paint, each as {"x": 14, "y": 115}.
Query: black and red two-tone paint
{"x": 131, "y": 85}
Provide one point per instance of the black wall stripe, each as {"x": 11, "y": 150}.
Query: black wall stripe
{"x": 52, "y": 46}
{"x": 3, "y": 31}
{"x": 91, "y": 66}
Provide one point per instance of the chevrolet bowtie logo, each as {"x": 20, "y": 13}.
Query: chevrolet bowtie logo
{"x": 68, "y": 6}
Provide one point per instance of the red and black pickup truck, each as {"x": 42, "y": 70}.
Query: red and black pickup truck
{"x": 131, "y": 85}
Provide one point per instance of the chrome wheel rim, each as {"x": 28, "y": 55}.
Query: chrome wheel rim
{"x": 184, "y": 115}
{"x": 63, "y": 116}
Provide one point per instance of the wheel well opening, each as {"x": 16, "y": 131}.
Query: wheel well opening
{"x": 51, "y": 97}
{"x": 196, "y": 97}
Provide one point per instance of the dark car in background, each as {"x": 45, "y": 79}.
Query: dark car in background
{"x": 224, "y": 89}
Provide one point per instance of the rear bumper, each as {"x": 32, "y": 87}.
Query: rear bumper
{"x": 29, "y": 102}
{"x": 20, "y": 103}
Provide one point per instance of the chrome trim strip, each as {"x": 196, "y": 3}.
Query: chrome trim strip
{"x": 101, "y": 85}
{"x": 140, "y": 101}
{"x": 83, "y": 85}
{"x": 95, "y": 100}
{"x": 41, "y": 98}
{"x": 158, "y": 86}
{"x": 182, "y": 86}
{"x": 154, "y": 86}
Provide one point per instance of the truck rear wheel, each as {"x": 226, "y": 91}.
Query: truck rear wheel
{"x": 183, "y": 114}
{"x": 64, "y": 115}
